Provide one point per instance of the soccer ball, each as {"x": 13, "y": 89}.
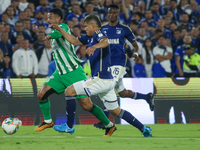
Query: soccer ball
{"x": 11, "y": 125}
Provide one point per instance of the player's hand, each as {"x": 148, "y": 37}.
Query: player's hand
{"x": 33, "y": 75}
{"x": 47, "y": 38}
{"x": 90, "y": 50}
{"x": 181, "y": 73}
{"x": 54, "y": 26}
{"x": 136, "y": 57}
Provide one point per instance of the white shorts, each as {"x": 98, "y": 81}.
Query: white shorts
{"x": 103, "y": 87}
{"x": 118, "y": 73}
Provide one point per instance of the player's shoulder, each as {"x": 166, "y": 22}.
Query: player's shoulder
{"x": 105, "y": 24}
{"x": 124, "y": 26}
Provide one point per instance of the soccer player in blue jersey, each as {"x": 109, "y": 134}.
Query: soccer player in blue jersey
{"x": 117, "y": 34}
{"x": 102, "y": 81}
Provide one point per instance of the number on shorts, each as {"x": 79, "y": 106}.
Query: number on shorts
{"x": 116, "y": 71}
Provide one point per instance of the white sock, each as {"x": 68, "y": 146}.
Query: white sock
{"x": 109, "y": 125}
{"x": 48, "y": 121}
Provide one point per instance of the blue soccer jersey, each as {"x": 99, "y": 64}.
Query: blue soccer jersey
{"x": 117, "y": 37}
{"x": 100, "y": 61}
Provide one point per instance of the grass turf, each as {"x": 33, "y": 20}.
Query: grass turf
{"x": 86, "y": 137}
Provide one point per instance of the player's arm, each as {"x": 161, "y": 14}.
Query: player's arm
{"x": 102, "y": 44}
{"x": 70, "y": 38}
{"x": 125, "y": 9}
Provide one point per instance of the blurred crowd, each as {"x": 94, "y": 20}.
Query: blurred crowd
{"x": 167, "y": 32}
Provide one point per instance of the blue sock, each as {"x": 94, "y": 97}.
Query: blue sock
{"x": 131, "y": 119}
{"x": 70, "y": 110}
{"x": 140, "y": 96}
{"x": 106, "y": 112}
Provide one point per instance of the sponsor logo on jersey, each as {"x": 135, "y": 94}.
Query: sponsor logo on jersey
{"x": 114, "y": 41}
{"x": 118, "y": 31}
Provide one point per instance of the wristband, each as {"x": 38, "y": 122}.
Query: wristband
{"x": 136, "y": 54}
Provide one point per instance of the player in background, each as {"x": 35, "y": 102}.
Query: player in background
{"x": 117, "y": 34}
{"x": 102, "y": 81}
{"x": 68, "y": 71}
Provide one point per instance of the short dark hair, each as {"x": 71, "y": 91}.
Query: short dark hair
{"x": 176, "y": 30}
{"x": 173, "y": 1}
{"x": 88, "y": 3}
{"x": 173, "y": 22}
{"x": 58, "y": 12}
{"x": 184, "y": 13}
{"x": 183, "y": 28}
{"x": 41, "y": 25}
{"x": 161, "y": 37}
{"x": 18, "y": 22}
{"x": 113, "y": 6}
{"x": 158, "y": 31}
{"x": 155, "y": 3}
{"x": 77, "y": 26}
{"x": 93, "y": 17}
{"x": 134, "y": 22}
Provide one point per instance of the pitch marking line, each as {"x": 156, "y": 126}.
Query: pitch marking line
{"x": 79, "y": 137}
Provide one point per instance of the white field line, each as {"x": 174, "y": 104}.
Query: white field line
{"x": 52, "y": 137}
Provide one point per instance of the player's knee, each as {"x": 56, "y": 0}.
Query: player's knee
{"x": 115, "y": 112}
{"x": 70, "y": 91}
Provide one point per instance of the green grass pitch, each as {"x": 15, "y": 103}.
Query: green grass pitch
{"x": 86, "y": 137}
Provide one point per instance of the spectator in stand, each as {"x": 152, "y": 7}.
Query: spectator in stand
{"x": 166, "y": 5}
{"x": 180, "y": 54}
{"x": 32, "y": 6}
{"x": 134, "y": 26}
{"x": 43, "y": 6}
{"x": 137, "y": 9}
{"x": 39, "y": 15}
{"x": 34, "y": 32}
{"x": 185, "y": 22}
{"x": 167, "y": 23}
{"x": 155, "y": 11}
{"x": 151, "y": 23}
{"x": 173, "y": 26}
{"x": 141, "y": 35}
{"x": 75, "y": 21}
{"x": 154, "y": 39}
{"x": 138, "y": 70}
{"x": 149, "y": 33}
{"x": 40, "y": 41}
{"x": 125, "y": 16}
{"x": 137, "y": 16}
{"x": 188, "y": 10}
{"x": 2, "y": 64}
{"x": 195, "y": 13}
{"x": 44, "y": 56}
{"x": 70, "y": 24}
{"x": 24, "y": 61}
{"x": 141, "y": 4}
{"x": 76, "y": 30}
{"x": 15, "y": 4}
{"x": 170, "y": 14}
{"x": 8, "y": 71}
{"x": 183, "y": 31}
{"x": 2, "y": 28}
{"x": 5, "y": 46}
{"x": 19, "y": 38}
{"x": 5, "y": 19}
{"x": 27, "y": 26}
{"x": 196, "y": 38}
{"x": 162, "y": 11}
{"x": 147, "y": 56}
{"x": 23, "y": 4}
{"x": 19, "y": 29}
{"x": 182, "y": 4}
{"x": 22, "y": 16}
{"x": 161, "y": 26}
{"x": 29, "y": 14}
{"x": 98, "y": 8}
{"x": 8, "y": 29}
{"x": 175, "y": 39}
{"x": 83, "y": 32}
{"x": 76, "y": 12}
{"x": 163, "y": 54}
{"x": 191, "y": 65}
{"x": 89, "y": 9}
{"x": 11, "y": 13}
{"x": 176, "y": 11}
{"x": 59, "y": 4}
{"x": 107, "y": 3}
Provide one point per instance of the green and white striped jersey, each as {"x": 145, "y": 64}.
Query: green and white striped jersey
{"x": 63, "y": 51}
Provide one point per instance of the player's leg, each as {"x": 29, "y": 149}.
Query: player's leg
{"x": 45, "y": 106}
{"x": 80, "y": 89}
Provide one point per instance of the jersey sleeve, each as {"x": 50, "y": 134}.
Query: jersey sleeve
{"x": 178, "y": 51}
{"x": 129, "y": 35}
{"x": 56, "y": 34}
{"x": 100, "y": 36}
{"x": 83, "y": 39}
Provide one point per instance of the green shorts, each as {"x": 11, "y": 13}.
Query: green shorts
{"x": 60, "y": 82}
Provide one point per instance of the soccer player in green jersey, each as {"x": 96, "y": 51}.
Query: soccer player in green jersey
{"x": 68, "y": 71}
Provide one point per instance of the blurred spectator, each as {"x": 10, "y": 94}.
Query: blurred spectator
{"x": 137, "y": 9}
{"x": 8, "y": 29}
{"x": 76, "y": 30}
{"x": 19, "y": 38}
{"x": 182, "y": 4}
{"x": 22, "y": 16}
{"x": 163, "y": 54}
{"x": 8, "y": 71}
{"x": 196, "y": 38}
{"x": 137, "y": 16}
{"x": 191, "y": 66}
{"x": 139, "y": 69}
{"x": 154, "y": 39}
{"x": 98, "y": 8}
{"x": 81, "y": 53}
{"x": 70, "y": 24}
{"x": 185, "y": 22}
{"x": 76, "y": 12}
{"x": 51, "y": 68}
{"x": 59, "y": 4}
{"x": 40, "y": 41}
{"x": 195, "y": 13}
{"x": 2, "y": 28}
{"x": 83, "y": 32}
{"x": 167, "y": 23}
{"x": 180, "y": 54}
{"x": 149, "y": 33}
{"x": 27, "y": 26}
{"x": 141, "y": 35}
{"x": 188, "y": 10}
{"x": 44, "y": 56}
{"x": 4, "y": 5}
{"x": 183, "y": 31}
{"x": 166, "y": 5}
{"x": 11, "y": 13}
{"x": 155, "y": 11}
{"x": 15, "y": 4}
{"x": 23, "y": 4}
{"x": 175, "y": 38}
{"x": 5, "y": 46}
{"x": 32, "y": 6}
{"x": 89, "y": 9}
{"x": 2, "y": 64}
{"x": 19, "y": 29}
{"x": 107, "y": 3}
{"x": 29, "y": 14}
{"x": 34, "y": 31}
{"x": 43, "y": 6}
{"x": 176, "y": 11}
{"x": 125, "y": 16}
{"x": 5, "y": 18}
{"x": 141, "y": 4}
{"x": 173, "y": 26}
{"x": 161, "y": 26}
{"x": 39, "y": 15}
{"x": 147, "y": 56}
{"x": 75, "y": 21}
{"x": 24, "y": 61}
{"x": 151, "y": 23}
{"x": 170, "y": 14}
{"x": 162, "y": 10}
{"x": 134, "y": 27}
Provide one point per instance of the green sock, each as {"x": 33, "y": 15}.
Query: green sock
{"x": 45, "y": 106}
{"x": 98, "y": 113}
